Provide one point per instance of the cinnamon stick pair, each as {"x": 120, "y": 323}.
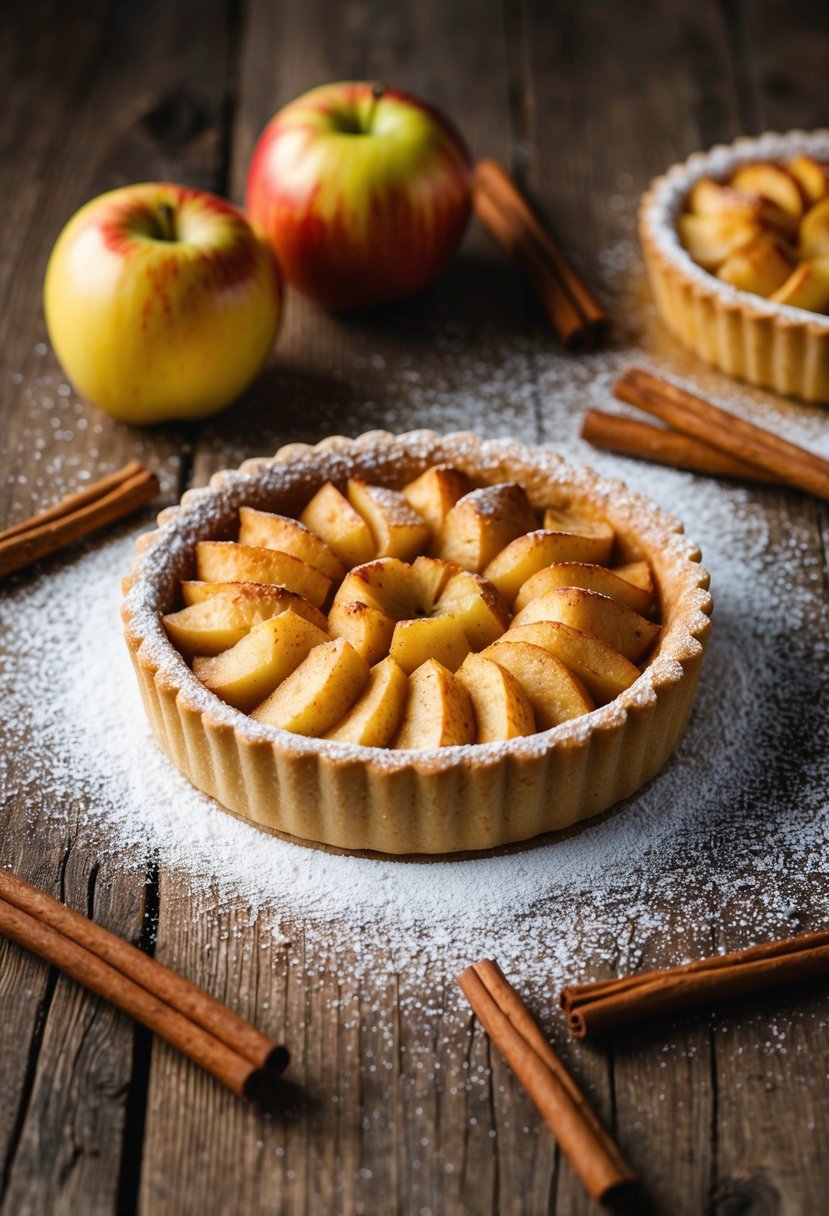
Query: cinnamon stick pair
{"x": 591, "y": 1151}
{"x": 110, "y": 499}
{"x": 591, "y": 1009}
{"x": 224, "y": 1044}
{"x": 577, "y": 318}
{"x": 703, "y": 438}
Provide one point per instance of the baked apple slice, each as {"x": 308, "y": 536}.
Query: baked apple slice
{"x": 807, "y": 287}
{"x": 434, "y": 493}
{"x": 387, "y": 584}
{"x": 223, "y": 561}
{"x": 331, "y": 516}
{"x": 811, "y": 176}
{"x": 761, "y": 267}
{"x": 318, "y": 693}
{"x": 368, "y": 630}
{"x": 438, "y": 711}
{"x": 710, "y": 239}
{"x": 528, "y": 554}
{"x": 269, "y": 531}
{"x": 583, "y": 574}
{"x": 603, "y": 671}
{"x": 214, "y": 623}
{"x": 638, "y": 573}
{"x": 814, "y": 231}
{"x": 429, "y": 637}
{"x": 477, "y": 607}
{"x": 555, "y": 694}
{"x": 502, "y": 708}
{"x": 771, "y": 182}
{"x": 374, "y": 718}
{"x": 590, "y": 612}
{"x": 710, "y": 197}
{"x": 247, "y": 673}
{"x": 482, "y": 522}
{"x": 396, "y": 528}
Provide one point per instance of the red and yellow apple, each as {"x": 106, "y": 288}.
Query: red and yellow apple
{"x": 363, "y": 192}
{"x": 161, "y": 302}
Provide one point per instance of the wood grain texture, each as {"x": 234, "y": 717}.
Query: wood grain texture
{"x": 397, "y": 1103}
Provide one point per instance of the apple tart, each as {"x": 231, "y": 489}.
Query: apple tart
{"x": 415, "y": 645}
{"x": 736, "y": 243}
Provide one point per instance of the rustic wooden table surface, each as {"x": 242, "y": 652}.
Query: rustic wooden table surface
{"x": 586, "y": 102}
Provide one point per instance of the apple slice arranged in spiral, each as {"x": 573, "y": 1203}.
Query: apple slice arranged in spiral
{"x": 761, "y": 267}
{"x": 434, "y": 493}
{"x": 269, "y": 531}
{"x": 436, "y": 637}
{"x": 318, "y": 693}
{"x": 528, "y": 554}
{"x": 481, "y": 523}
{"x": 811, "y": 176}
{"x": 438, "y": 712}
{"x": 807, "y": 286}
{"x": 213, "y": 621}
{"x": 332, "y": 517}
{"x": 555, "y": 694}
{"x": 367, "y": 629}
{"x": 603, "y": 671}
{"x": 374, "y": 718}
{"x": 502, "y": 708}
{"x": 247, "y": 673}
{"x": 222, "y": 561}
{"x": 396, "y": 528}
{"x": 710, "y": 239}
{"x": 771, "y": 182}
{"x": 590, "y": 612}
{"x": 588, "y": 576}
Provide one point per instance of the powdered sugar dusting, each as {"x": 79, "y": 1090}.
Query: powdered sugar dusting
{"x": 732, "y": 833}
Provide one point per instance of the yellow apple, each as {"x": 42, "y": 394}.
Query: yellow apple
{"x": 162, "y": 302}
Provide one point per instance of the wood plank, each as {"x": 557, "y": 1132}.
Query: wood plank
{"x": 96, "y": 98}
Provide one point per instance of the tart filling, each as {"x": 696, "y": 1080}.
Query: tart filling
{"x": 736, "y": 244}
{"x": 416, "y": 645}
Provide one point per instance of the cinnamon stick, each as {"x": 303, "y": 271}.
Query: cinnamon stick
{"x": 187, "y": 999}
{"x": 581, "y": 1137}
{"x": 72, "y": 502}
{"x": 694, "y": 416}
{"x": 574, "y": 313}
{"x": 591, "y": 1009}
{"x": 630, "y": 437}
{"x": 69, "y": 521}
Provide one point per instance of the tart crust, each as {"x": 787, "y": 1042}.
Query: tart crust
{"x": 749, "y": 337}
{"x": 403, "y": 802}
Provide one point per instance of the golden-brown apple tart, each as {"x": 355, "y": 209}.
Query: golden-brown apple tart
{"x": 415, "y": 644}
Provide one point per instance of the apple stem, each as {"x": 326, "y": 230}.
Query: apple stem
{"x": 378, "y": 90}
{"x": 166, "y": 222}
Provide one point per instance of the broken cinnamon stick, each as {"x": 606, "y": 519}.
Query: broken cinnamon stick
{"x": 630, "y": 437}
{"x": 574, "y": 313}
{"x": 592, "y": 1009}
{"x": 504, "y": 1016}
{"x": 77, "y": 516}
{"x": 692, "y": 415}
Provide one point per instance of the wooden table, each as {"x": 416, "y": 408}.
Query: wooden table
{"x": 586, "y": 102}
